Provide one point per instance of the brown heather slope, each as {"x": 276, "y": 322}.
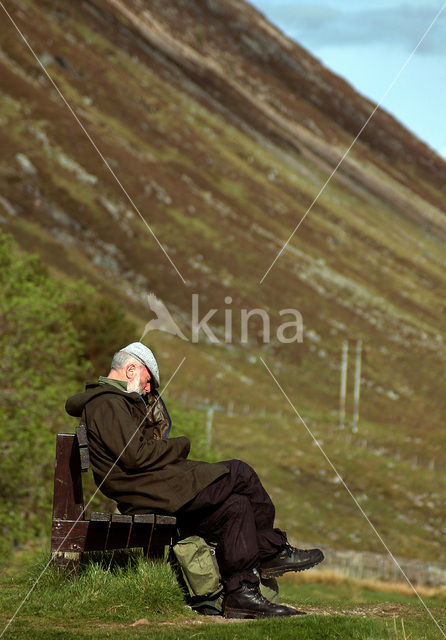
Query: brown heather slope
{"x": 223, "y": 131}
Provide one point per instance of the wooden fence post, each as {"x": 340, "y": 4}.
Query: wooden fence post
{"x": 357, "y": 388}
{"x": 343, "y": 389}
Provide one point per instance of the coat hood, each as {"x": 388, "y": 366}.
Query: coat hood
{"x": 75, "y": 405}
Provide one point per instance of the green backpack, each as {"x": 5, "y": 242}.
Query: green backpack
{"x": 195, "y": 565}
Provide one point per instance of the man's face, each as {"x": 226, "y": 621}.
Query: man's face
{"x": 144, "y": 380}
{"x": 139, "y": 379}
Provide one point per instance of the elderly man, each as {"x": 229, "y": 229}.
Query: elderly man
{"x": 135, "y": 463}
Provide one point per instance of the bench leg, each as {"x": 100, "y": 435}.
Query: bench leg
{"x": 147, "y": 548}
{"x": 67, "y": 543}
{"x": 162, "y": 535}
{"x": 66, "y": 560}
{"x": 157, "y": 552}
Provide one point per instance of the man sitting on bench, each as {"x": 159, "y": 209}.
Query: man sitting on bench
{"x": 135, "y": 463}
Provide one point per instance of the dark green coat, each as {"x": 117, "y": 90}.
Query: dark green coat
{"x": 151, "y": 474}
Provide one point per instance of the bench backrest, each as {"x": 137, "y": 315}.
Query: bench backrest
{"x": 82, "y": 441}
{"x": 68, "y": 501}
{"x": 72, "y": 533}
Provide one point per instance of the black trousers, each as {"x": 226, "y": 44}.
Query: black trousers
{"x": 236, "y": 511}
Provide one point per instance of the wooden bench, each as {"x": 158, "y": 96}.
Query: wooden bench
{"x": 72, "y": 533}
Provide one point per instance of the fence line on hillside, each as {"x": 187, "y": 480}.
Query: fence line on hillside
{"x": 377, "y": 566}
{"x": 231, "y": 410}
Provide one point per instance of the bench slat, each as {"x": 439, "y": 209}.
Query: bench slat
{"x": 97, "y": 516}
{"x": 119, "y": 517}
{"x": 168, "y": 520}
{"x": 144, "y": 518}
{"x": 82, "y": 440}
{"x": 85, "y": 458}
{"x": 81, "y": 432}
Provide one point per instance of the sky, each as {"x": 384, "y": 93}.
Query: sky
{"x": 367, "y": 42}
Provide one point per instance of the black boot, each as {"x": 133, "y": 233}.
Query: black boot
{"x": 290, "y": 559}
{"x": 248, "y": 602}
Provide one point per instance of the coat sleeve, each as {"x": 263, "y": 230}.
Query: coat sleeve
{"x": 111, "y": 422}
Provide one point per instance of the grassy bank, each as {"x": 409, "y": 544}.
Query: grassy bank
{"x": 142, "y": 600}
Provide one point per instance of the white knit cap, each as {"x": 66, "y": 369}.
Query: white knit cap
{"x": 142, "y": 353}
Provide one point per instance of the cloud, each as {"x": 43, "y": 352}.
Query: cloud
{"x": 316, "y": 25}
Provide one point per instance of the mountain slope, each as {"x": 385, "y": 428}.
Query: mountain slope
{"x": 222, "y": 132}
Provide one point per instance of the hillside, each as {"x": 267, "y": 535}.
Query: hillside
{"x": 222, "y": 132}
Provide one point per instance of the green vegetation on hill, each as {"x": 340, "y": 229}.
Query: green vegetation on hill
{"x": 47, "y": 331}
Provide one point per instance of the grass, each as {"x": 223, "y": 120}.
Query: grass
{"x": 115, "y": 588}
{"x": 142, "y": 599}
{"x": 325, "y": 586}
{"x": 313, "y": 628}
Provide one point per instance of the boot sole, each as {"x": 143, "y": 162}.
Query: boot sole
{"x": 241, "y": 615}
{"x": 276, "y": 573}
{"x": 236, "y": 614}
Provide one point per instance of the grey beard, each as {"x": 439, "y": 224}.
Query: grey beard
{"x": 135, "y": 385}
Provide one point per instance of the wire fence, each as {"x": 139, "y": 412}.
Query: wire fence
{"x": 376, "y": 566}
{"x": 348, "y": 437}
